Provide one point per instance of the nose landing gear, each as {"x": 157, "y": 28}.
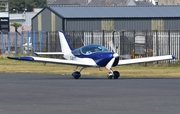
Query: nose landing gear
{"x": 113, "y": 74}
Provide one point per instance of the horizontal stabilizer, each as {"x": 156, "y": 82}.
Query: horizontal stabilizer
{"x": 146, "y": 59}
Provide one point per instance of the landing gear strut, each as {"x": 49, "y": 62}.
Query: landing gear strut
{"x": 113, "y": 74}
{"x": 77, "y": 74}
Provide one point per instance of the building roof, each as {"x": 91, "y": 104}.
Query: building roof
{"x": 116, "y": 11}
{"x": 95, "y": 2}
{"x": 108, "y": 2}
{"x": 143, "y": 3}
{"x": 69, "y": 2}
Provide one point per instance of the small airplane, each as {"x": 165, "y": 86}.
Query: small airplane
{"x": 92, "y": 55}
{"x": 28, "y": 45}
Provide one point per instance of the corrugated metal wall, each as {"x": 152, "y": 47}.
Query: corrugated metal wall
{"x": 122, "y": 24}
{"x": 82, "y": 24}
{"x": 172, "y": 24}
{"x": 132, "y": 24}
{"x": 42, "y": 21}
{"x": 39, "y": 22}
{"x": 107, "y": 24}
{"x": 49, "y": 21}
{"x": 46, "y": 20}
{"x": 35, "y": 23}
{"x": 59, "y": 23}
{"x": 157, "y": 24}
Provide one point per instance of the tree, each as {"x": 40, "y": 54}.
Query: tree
{"x": 16, "y": 25}
{"x": 21, "y": 5}
{"x": 2, "y": 6}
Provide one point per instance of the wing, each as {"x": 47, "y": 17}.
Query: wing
{"x": 147, "y": 59}
{"x": 57, "y": 61}
{"x": 48, "y": 53}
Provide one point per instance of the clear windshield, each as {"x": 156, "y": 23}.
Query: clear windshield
{"x": 93, "y": 48}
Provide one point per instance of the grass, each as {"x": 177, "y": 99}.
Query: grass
{"x": 132, "y": 71}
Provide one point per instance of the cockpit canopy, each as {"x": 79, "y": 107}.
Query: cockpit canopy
{"x": 89, "y": 49}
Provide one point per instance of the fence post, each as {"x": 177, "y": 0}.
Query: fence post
{"x": 146, "y": 44}
{"x": 15, "y": 43}
{"x": 21, "y": 45}
{"x": 134, "y": 44}
{"x": 103, "y": 41}
{"x": 92, "y": 38}
{"x": 178, "y": 46}
{"x": 27, "y": 41}
{"x": 47, "y": 41}
{"x": 157, "y": 45}
{"x": 34, "y": 41}
{"x": 113, "y": 36}
{"x": 40, "y": 41}
{"x": 82, "y": 34}
{"x": 55, "y": 42}
{"x": 169, "y": 43}
{"x": 73, "y": 40}
{"x": 9, "y": 44}
{"x": 2, "y": 43}
{"x": 123, "y": 42}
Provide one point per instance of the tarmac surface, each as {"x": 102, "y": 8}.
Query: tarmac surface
{"x": 56, "y": 94}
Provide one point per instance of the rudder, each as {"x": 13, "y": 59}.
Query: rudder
{"x": 65, "y": 45}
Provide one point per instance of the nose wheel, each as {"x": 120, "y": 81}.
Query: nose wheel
{"x": 113, "y": 74}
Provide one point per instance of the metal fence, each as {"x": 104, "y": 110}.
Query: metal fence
{"x": 131, "y": 43}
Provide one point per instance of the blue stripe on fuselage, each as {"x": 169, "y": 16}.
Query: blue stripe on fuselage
{"x": 101, "y": 58}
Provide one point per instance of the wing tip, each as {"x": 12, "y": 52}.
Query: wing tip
{"x": 173, "y": 57}
{"x": 36, "y": 54}
{"x": 22, "y": 58}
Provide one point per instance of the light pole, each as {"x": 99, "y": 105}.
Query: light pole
{"x": 24, "y": 13}
{"x": 23, "y": 18}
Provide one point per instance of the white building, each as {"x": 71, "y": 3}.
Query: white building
{"x": 154, "y": 2}
{"x": 24, "y": 19}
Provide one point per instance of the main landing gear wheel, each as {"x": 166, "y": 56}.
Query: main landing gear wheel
{"x": 114, "y": 75}
{"x": 76, "y": 75}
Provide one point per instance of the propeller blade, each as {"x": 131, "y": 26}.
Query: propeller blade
{"x": 111, "y": 44}
{"x": 110, "y": 63}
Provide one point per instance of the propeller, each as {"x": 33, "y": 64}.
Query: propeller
{"x": 110, "y": 63}
{"x": 112, "y": 46}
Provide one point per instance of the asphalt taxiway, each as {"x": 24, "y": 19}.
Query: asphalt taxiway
{"x": 24, "y": 93}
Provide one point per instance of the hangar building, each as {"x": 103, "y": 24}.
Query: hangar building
{"x": 88, "y": 18}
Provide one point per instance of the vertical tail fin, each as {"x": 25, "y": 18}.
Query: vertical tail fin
{"x": 65, "y": 45}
